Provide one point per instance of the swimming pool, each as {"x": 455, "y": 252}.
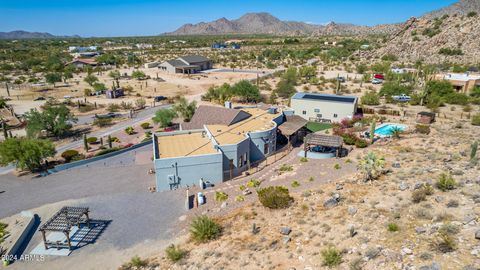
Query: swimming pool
{"x": 387, "y": 129}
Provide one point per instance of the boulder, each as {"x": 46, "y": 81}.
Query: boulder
{"x": 403, "y": 186}
{"x": 477, "y": 234}
{"x": 285, "y": 230}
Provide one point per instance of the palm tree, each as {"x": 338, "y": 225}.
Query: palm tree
{"x": 396, "y": 132}
{"x": 371, "y": 166}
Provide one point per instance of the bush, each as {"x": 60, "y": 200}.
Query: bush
{"x": 68, "y": 155}
{"x": 130, "y": 130}
{"x": 445, "y": 243}
{"x": 422, "y": 129}
{"x": 239, "y": 198}
{"x": 446, "y": 182}
{"x": 102, "y": 122}
{"x": 337, "y": 166}
{"x": 392, "y": 227}
{"x": 361, "y": 143}
{"x": 204, "y": 229}
{"x": 476, "y": 119}
{"x": 274, "y": 197}
{"x": 253, "y": 183}
{"x": 92, "y": 140}
{"x": 174, "y": 253}
{"x": 421, "y": 194}
{"x": 106, "y": 151}
{"x": 145, "y": 125}
{"x": 303, "y": 159}
{"x": 349, "y": 138}
{"x": 295, "y": 184}
{"x": 138, "y": 262}
{"x": 331, "y": 257}
{"x": 370, "y": 98}
{"x": 286, "y": 168}
{"x": 448, "y": 51}
{"x": 471, "y": 14}
{"x": 221, "y": 196}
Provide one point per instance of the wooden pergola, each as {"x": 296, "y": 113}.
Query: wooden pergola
{"x": 63, "y": 221}
{"x": 323, "y": 140}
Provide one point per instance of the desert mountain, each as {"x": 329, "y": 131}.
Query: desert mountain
{"x": 19, "y": 34}
{"x": 461, "y": 7}
{"x": 265, "y": 23}
{"x": 444, "y": 39}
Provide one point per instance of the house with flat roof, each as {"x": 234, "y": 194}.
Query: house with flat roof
{"x": 214, "y": 148}
{"x": 462, "y": 82}
{"x": 186, "y": 64}
{"x": 82, "y": 62}
{"x": 323, "y": 107}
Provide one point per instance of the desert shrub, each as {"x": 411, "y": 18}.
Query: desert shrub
{"x": 422, "y": 129}
{"x": 337, "y": 166}
{"x": 349, "y": 138}
{"x": 275, "y": 197}
{"x": 331, "y": 257}
{"x": 356, "y": 264}
{"x": 444, "y": 243}
{"x": 106, "y": 151}
{"x": 92, "y": 140}
{"x": 370, "y": 98}
{"x": 113, "y": 107}
{"x": 68, "y": 155}
{"x": 239, "y": 198}
{"x": 471, "y": 14}
{"x": 286, "y": 168}
{"x": 138, "y": 262}
{"x": 204, "y": 229}
{"x": 392, "y": 227}
{"x": 174, "y": 253}
{"x": 421, "y": 194}
{"x": 253, "y": 183}
{"x": 145, "y": 125}
{"x": 449, "y": 228}
{"x": 361, "y": 143}
{"x": 102, "y": 122}
{"x": 476, "y": 119}
{"x": 221, "y": 196}
{"x": 3, "y": 231}
{"x": 129, "y": 130}
{"x": 446, "y": 182}
{"x": 304, "y": 159}
{"x": 448, "y": 51}
{"x": 295, "y": 184}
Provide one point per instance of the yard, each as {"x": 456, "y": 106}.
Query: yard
{"x": 314, "y": 126}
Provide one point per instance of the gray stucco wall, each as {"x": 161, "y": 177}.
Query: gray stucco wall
{"x": 258, "y": 140}
{"x": 234, "y": 152}
{"x": 188, "y": 170}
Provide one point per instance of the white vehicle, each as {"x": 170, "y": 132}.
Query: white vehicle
{"x": 402, "y": 98}
{"x": 377, "y": 81}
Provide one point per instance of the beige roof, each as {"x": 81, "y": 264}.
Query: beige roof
{"x": 259, "y": 121}
{"x": 178, "y": 145}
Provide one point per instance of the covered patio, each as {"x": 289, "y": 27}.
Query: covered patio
{"x": 293, "y": 129}
{"x": 62, "y": 222}
{"x": 321, "y": 140}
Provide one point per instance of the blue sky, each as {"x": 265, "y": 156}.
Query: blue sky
{"x": 149, "y": 17}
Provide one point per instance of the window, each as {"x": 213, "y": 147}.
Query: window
{"x": 265, "y": 149}
{"x": 304, "y": 112}
{"x": 319, "y": 115}
{"x": 335, "y": 115}
{"x": 317, "y": 110}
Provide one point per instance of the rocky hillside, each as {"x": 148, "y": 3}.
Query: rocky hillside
{"x": 265, "y": 23}
{"x": 19, "y": 34}
{"x": 453, "y": 39}
{"x": 462, "y": 7}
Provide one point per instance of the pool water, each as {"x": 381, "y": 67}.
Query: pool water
{"x": 386, "y": 130}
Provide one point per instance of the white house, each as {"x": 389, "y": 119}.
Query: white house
{"x": 331, "y": 108}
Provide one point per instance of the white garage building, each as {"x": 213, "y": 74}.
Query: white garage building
{"x": 323, "y": 107}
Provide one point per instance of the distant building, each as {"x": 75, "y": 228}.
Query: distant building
{"x": 365, "y": 46}
{"x": 151, "y": 65}
{"x": 403, "y": 70}
{"x": 82, "y": 49}
{"x": 235, "y": 46}
{"x": 462, "y": 82}
{"x": 82, "y": 62}
{"x": 218, "y": 46}
{"x": 115, "y": 93}
{"x": 144, "y": 46}
{"x": 186, "y": 64}
{"x": 218, "y": 143}
{"x": 329, "y": 108}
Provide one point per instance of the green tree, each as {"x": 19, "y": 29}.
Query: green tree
{"x": 307, "y": 72}
{"x": 25, "y": 153}
{"x": 53, "y": 78}
{"x": 164, "y": 117}
{"x": 114, "y": 74}
{"x": 138, "y": 74}
{"x": 91, "y": 79}
{"x": 55, "y": 120}
{"x": 370, "y": 98}
{"x": 185, "y": 109}
{"x": 246, "y": 91}
{"x": 285, "y": 89}
{"x": 290, "y": 76}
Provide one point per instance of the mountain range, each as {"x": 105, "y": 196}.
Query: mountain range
{"x": 265, "y": 23}
{"x": 19, "y": 34}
